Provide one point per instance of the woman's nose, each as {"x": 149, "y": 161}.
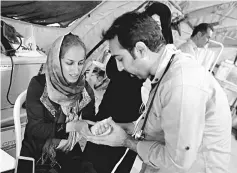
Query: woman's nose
{"x": 76, "y": 69}
{"x": 119, "y": 65}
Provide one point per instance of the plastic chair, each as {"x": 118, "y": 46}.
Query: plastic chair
{"x": 16, "y": 116}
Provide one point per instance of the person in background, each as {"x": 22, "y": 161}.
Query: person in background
{"x": 55, "y": 103}
{"x": 199, "y": 39}
{"x": 188, "y": 127}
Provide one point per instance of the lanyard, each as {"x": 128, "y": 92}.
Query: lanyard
{"x": 140, "y": 134}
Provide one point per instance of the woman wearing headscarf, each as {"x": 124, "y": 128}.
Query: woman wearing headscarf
{"x": 58, "y": 105}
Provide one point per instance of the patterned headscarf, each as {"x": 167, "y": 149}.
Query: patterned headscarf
{"x": 59, "y": 90}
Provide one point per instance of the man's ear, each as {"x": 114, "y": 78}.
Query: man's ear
{"x": 199, "y": 34}
{"x": 140, "y": 50}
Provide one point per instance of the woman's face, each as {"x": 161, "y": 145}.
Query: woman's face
{"x": 72, "y": 63}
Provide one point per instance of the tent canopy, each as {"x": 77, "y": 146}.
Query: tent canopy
{"x": 47, "y": 12}
{"x": 186, "y": 15}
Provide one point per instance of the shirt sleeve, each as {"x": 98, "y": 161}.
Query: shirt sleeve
{"x": 39, "y": 125}
{"x": 182, "y": 120}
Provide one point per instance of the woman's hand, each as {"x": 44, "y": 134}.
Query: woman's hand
{"x": 116, "y": 137}
{"x": 50, "y": 145}
{"x": 82, "y": 124}
{"x": 77, "y": 126}
{"x": 67, "y": 144}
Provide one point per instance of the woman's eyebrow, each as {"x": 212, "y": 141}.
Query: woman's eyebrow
{"x": 69, "y": 59}
{"x": 82, "y": 60}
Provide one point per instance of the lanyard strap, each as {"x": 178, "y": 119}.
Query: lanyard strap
{"x": 157, "y": 85}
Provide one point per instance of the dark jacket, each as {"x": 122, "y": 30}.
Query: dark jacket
{"x": 121, "y": 101}
{"x": 42, "y": 124}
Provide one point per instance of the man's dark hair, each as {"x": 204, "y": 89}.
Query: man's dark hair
{"x": 133, "y": 27}
{"x": 202, "y": 28}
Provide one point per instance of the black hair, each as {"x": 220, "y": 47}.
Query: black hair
{"x": 133, "y": 27}
{"x": 203, "y": 27}
{"x": 70, "y": 40}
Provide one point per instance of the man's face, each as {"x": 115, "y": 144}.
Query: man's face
{"x": 125, "y": 61}
{"x": 203, "y": 38}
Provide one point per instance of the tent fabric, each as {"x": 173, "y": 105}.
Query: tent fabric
{"x": 222, "y": 14}
{"x": 188, "y": 14}
{"x": 47, "y": 12}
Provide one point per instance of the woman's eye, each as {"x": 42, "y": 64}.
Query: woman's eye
{"x": 69, "y": 63}
{"x": 81, "y": 63}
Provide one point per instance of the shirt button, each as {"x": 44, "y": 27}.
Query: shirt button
{"x": 187, "y": 148}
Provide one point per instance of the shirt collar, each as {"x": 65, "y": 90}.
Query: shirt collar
{"x": 190, "y": 41}
{"x": 170, "y": 49}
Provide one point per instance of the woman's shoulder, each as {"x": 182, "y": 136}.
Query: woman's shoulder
{"x": 37, "y": 85}
{"x": 38, "y": 80}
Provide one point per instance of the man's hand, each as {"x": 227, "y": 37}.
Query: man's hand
{"x": 115, "y": 138}
{"x": 128, "y": 127}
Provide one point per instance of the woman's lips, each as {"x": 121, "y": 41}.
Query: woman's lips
{"x": 74, "y": 76}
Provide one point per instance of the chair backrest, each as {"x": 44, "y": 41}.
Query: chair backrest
{"x": 17, "y": 122}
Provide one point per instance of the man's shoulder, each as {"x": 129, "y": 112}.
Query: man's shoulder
{"x": 186, "y": 44}
{"x": 186, "y": 70}
{"x": 186, "y": 61}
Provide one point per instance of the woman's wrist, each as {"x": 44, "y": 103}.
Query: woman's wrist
{"x": 75, "y": 126}
{"x": 56, "y": 142}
